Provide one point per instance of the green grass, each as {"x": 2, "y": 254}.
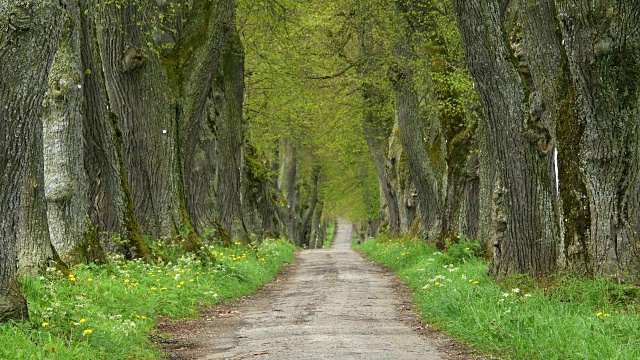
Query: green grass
{"x": 331, "y": 230}
{"x": 107, "y": 311}
{"x": 560, "y": 317}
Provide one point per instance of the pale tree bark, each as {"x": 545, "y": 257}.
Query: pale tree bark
{"x": 316, "y": 239}
{"x": 527, "y": 235}
{"x": 64, "y": 176}
{"x": 29, "y": 33}
{"x": 287, "y": 181}
{"x": 34, "y": 248}
{"x": 602, "y": 45}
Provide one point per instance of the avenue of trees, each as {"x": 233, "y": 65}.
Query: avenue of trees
{"x": 513, "y": 122}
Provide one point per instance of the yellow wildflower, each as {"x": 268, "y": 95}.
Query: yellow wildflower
{"x": 83, "y": 320}
{"x": 87, "y": 332}
{"x": 45, "y": 324}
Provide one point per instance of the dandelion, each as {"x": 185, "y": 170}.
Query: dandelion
{"x": 437, "y": 283}
{"x": 159, "y": 245}
{"x": 163, "y": 288}
{"x": 599, "y": 314}
{"x": 154, "y": 288}
{"x": 72, "y": 277}
{"x": 89, "y": 280}
{"x": 475, "y": 282}
{"x": 607, "y": 315}
{"x": 45, "y": 324}
{"x": 83, "y": 320}
{"x": 126, "y": 281}
{"x": 191, "y": 280}
{"x": 87, "y": 332}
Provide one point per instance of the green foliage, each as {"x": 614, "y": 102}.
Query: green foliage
{"x": 464, "y": 250}
{"x": 106, "y": 311}
{"x": 560, "y": 317}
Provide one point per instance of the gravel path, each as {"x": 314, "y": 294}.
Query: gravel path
{"x": 334, "y": 305}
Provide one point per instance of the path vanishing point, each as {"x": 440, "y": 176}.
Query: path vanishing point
{"x": 334, "y": 305}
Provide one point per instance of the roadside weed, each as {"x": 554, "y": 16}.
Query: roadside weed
{"x": 107, "y": 311}
{"x": 559, "y": 317}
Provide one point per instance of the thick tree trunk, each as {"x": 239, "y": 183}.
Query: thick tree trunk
{"x": 110, "y": 203}
{"x": 29, "y": 34}
{"x": 401, "y": 181}
{"x": 141, "y": 99}
{"x": 413, "y": 136}
{"x": 64, "y": 176}
{"x": 527, "y": 235}
{"x": 602, "y": 44}
{"x": 34, "y": 247}
{"x": 230, "y": 142}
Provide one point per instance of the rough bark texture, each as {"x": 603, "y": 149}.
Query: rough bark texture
{"x": 64, "y": 176}
{"x": 413, "y": 123}
{"x": 527, "y": 234}
{"x": 377, "y": 126}
{"x": 141, "y": 100}
{"x": 106, "y": 180}
{"x": 34, "y": 247}
{"x": 603, "y": 47}
{"x": 29, "y": 33}
{"x": 401, "y": 181}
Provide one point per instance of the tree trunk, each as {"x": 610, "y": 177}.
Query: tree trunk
{"x": 28, "y": 39}
{"x": 413, "y": 136}
{"x": 141, "y": 99}
{"x": 315, "y": 239}
{"x": 110, "y": 204}
{"x": 527, "y": 235}
{"x": 602, "y": 44}
{"x": 64, "y": 176}
{"x": 401, "y": 181}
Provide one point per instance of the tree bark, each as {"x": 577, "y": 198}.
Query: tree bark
{"x": 413, "y": 136}
{"x": 64, "y": 176}
{"x": 141, "y": 100}
{"x": 29, "y": 33}
{"x": 602, "y": 45}
{"x": 34, "y": 248}
{"x": 527, "y": 235}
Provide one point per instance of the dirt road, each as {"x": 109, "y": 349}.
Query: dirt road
{"x": 333, "y": 305}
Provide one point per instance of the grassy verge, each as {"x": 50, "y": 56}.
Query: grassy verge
{"x": 107, "y": 311}
{"x": 331, "y": 230}
{"x": 560, "y": 317}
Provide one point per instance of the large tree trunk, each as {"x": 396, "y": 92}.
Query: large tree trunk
{"x": 64, "y": 176}
{"x": 527, "y": 235}
{"x": 377, "y": 125}
{"x": 144, "y": 107}
{"x": 602, "y": 44}
{"x": 34, "y": 247}
{"x": 401, "y": 181}
{"x": 110, "y": 204}
{"x": 413, "y": 122}
{"x": 28, "y": 41}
